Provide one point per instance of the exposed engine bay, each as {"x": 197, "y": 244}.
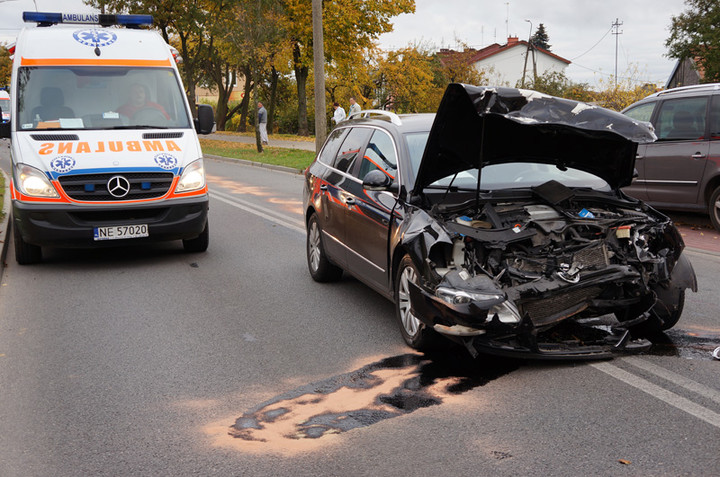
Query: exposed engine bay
{"x": 523, "y": 267}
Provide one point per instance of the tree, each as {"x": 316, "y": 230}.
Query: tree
{"x": 695, "y": 34}
{"x": 540, "y": 38}
{"x": 456, "y": 66}
{"x": 5, "y": 66}
{"x": 406, "y": 81}
{"x": 350, "y": 26}
{"x": 184, "y": 24}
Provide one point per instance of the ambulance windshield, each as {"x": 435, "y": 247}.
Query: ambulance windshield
{"x": 95, "y": 97}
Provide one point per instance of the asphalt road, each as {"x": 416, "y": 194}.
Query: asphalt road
{"x": 150, "y": 361}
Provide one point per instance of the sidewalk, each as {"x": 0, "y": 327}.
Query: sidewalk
{"x": 304, "y": 145}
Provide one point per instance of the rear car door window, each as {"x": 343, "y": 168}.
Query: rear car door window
{"x": 332, "y": 145}
{"x": 379, "y": 155}
{"x": 351, "y": 148}
{"x": 682, "y": 119}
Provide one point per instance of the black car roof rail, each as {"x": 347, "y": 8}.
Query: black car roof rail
{"x": 394, "y": 118}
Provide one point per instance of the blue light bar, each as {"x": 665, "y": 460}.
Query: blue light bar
{"x": 48, "y": 18}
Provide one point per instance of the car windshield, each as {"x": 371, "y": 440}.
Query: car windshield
{"x": 5, "y": 105}
{"x": 511, "y": 175}
{"x": 99, "y": 98}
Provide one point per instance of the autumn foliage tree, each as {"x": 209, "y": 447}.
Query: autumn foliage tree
{"x": 695, "y": 34}
{"x": 5, "y": 66}
{"x": 350, "y": 26}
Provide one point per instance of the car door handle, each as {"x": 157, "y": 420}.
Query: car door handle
{"x": 698, "y": 155}
{"x": 639, "y": 156}
{"x": 323, "y": 187}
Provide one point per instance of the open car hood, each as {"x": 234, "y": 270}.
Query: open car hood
{"x": 479, "y": 126}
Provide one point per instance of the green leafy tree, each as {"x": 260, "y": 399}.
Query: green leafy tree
{"x": 540, "y": 38}
{"x": 695, "y": 34}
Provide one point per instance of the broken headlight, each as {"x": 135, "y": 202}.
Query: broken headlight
{"x": 462, "y": 297}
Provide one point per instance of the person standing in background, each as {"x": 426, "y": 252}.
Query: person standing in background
{"x": 262, "y": 123}
{"x": 354, "y": 107}
{"x": 339, "y": 114}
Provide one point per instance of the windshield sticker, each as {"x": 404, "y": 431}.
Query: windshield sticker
{"x": 95, "y": 37}
{"x": 62, "y": 164}
{"x": 84, "y": 147}
{"x": 166, "y": 161}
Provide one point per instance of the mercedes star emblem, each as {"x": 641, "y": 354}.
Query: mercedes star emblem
{"x": 118, "y": 186}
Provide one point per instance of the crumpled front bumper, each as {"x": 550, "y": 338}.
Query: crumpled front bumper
{"x": 468, "y": 324}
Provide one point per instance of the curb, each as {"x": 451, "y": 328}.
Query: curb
{"x": 4, "y": 224}
{"x": 245, "y": 162}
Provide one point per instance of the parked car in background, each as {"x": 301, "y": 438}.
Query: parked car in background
{"x": 4, "y": 106}
{"x": 681, "y": 170}
{"x": 498, "y": 223}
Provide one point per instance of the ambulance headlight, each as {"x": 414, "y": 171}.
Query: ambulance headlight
{"x": 193, "y": 177}
{"x": 33, "y": 182}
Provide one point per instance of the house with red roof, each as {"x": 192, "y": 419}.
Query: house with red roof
{"x": 511, "y": 64}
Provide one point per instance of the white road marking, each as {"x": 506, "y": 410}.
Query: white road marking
{"x": 675, "y": 378}
{"x": 264, "y": 212}
{"x": 660, "y": 393}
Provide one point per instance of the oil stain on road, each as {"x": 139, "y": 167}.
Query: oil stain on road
{"x": 386, "y": 389}
{"x": 697, "y": 343}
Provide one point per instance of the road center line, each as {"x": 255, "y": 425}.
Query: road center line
{"x": 262, "y": 212}
{"x": 660, "y": 393}
{"x": 675, "y": 378}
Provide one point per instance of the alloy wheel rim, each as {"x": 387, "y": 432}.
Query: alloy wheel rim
{"x": 314, "y": 246}
{"x": 408, "y": 320}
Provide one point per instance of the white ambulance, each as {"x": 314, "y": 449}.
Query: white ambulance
{"x": 103, "y": 142}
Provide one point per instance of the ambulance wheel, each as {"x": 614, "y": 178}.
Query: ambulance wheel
{"x": 25, "y": 253}
{"x": 199, "y": 243}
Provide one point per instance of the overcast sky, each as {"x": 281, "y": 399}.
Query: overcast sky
{"x": 579, "y": 30}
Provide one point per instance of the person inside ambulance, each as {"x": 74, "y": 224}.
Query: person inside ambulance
{"x": 141, "y": 110}
{"x": 52, "y": 105}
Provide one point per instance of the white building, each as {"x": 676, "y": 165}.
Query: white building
{"x": 506, "y": 65}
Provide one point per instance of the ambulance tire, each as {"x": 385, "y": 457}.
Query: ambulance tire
{"x": 199, "y": 243}
{"x": 25, "y": 253}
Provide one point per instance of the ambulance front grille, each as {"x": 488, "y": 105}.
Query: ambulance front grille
{"x": 94, "y": 187}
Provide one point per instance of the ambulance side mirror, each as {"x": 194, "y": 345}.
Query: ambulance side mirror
{"x": 205, "y": 122}
{"x": 4, "y": 127}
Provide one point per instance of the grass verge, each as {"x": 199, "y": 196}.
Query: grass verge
{"x": 278, "y": 156}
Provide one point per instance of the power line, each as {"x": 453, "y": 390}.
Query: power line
{"x": 592, "y": 47}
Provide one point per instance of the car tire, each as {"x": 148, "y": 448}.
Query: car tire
{"x": 415, "y": 333}
{"x": 25, "y": 253}
{"x": 321, "y": 269}
{"x": 714, "y": 208}
{"x": 199, "y": 243}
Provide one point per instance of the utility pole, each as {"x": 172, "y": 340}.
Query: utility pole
{"x": 617, "y": 32}
{"x": 319, "y": 75}
{"x": 527, "y": 53}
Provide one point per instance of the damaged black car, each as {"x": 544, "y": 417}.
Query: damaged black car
{"x": 499, "y": 223}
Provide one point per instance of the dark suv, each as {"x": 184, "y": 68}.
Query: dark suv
{"x": 498, "y": 223}
{"x": 681, "y": 170}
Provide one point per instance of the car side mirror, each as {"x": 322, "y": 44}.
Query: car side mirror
{"x": 378, "y": 180}
{"x": 205, "y": 122}
{"x": 4, "y": 127}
